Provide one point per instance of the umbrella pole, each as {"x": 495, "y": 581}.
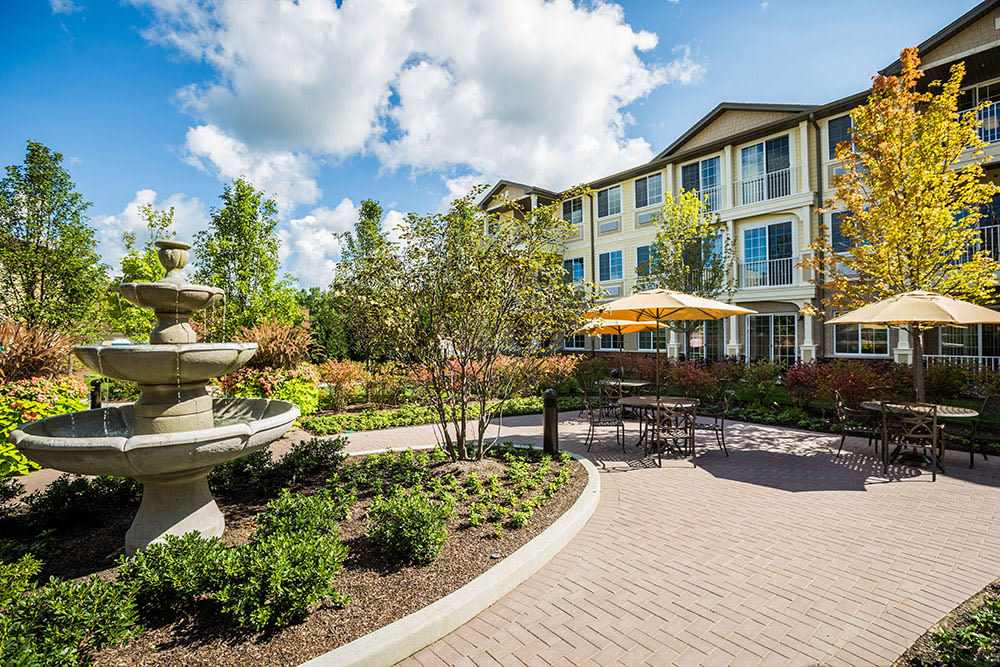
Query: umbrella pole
{"x": 657, "y": 361}
{"x": 918, "y": 361}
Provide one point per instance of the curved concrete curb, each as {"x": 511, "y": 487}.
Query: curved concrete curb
{"x": 403, "y": 638}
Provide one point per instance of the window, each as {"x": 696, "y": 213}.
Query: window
{"x": 649, "y": 190}
{"x": 969, "y": 98}
{"x": 861, "y": 339}
{"x": 573, "y": 211}
{"x": 642, "y": 260}
{"x": 767, "y": 255}
{"x": 647, "y": 341}
{"x": 838, "y": 130}
{"x": 704, "y": 177}
{"x": 609, "y": 201}
{"x": 973, "y": 340}
{"x": 771, "y": 337}
{"x": 575, "y": 342}
{"x": 707, "y": 341}
{"x": 839, "y": 241}
{"x": 766, "y": 170}
{"x": 611, "y": 341}
{"x": 610, "y": 264}
{"x": 574, "y": 269}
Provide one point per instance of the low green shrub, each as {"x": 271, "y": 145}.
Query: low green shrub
{"x": 275, "y": 580}
{"x": 70, "y": 496}
{"x": 30, "y": 399}
{"x": 412, "y": 415}
{"x": 260, "y": 470}
{"x": 62, "y": 622}
{"x": 300, "y": 385}
{"x": 974, "y": 644}
{"x": 408, "y": 528}
{"x": 177, "y": 570}
{"x": 299, "y": 514}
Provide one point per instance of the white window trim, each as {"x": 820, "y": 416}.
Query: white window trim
{"x": 650, "y": 255}
{"x": 610, "y": 280}
{"x": 827, "y": 159}
{"x": 655, "y": 205}
{"x": 757, "y": 225}
{"x": 600, "y": 343}
{"x": 621, "y": 204}
{"x": 719, "y": 156}
{"x": 739, "y": 154}
{"x": 582, "y": 216}
{"x": 583, "y": 260}
{"x": 652, "y": 350}
{"x": 566, "y": 346}
{"x": 746, "y": 334}
{"x": 864, "y": 355}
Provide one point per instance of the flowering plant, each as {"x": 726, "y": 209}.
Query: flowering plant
{"x": 29, "y": 400}
{"x": 299, "y": 385}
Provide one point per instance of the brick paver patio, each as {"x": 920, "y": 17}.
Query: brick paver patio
{"x": 781, "y": 554}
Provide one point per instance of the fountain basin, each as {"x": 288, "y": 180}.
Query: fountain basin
{"x": 173, "y": 467}
{"x": 170, "y": 297}
{"x": 166, "y": 364}
{"x": 101, "y": 442}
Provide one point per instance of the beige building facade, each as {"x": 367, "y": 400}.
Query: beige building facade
{"x": 765, "y": 170}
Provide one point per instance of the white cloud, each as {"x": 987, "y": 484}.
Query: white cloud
{"x": 288, "y": 176}
{"x": 764, "y": 5}
{"x": 64, "y": 6}
{"x": 309, "y": 247}
{"x": 190, "y": 217}
{"x": 489, "y": 87}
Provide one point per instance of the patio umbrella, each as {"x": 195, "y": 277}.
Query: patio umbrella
{"x": 620, "y": 327}
{"x": 917, "y": 309}
{"x": 662, "y": 305}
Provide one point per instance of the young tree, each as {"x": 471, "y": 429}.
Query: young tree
{"x": 911, "y": 196}
{"x": 326, "y": 321}
{"x": 692, "y": 253}
{"x": 366, "y": 254}
{"x": 138, "y": 265}
{"x": 239, "y": 253}
{"x": 50, "y": 272}
{"x": 458, "y": 300}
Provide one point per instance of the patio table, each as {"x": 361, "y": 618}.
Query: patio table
{"x": 943, "y": 411}
{"x": 625, "y": 384}
{"x": 646, "y": 404}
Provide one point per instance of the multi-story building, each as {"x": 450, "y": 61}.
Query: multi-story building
{"x": 766, "y": 169}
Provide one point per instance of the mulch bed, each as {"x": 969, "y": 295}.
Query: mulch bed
{"x": 379, "y": 593}
{"x": 923, "y": 652}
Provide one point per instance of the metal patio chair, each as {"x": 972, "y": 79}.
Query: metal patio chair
{"x": 913, "y": 425}
{"x": 858, "y": 423}
{"x": 718, "y": 414}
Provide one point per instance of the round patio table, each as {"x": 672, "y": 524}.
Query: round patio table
{"x": 624, "y": 384}
{"x": 648, "y": 404}
{"x": 943, "y": 411}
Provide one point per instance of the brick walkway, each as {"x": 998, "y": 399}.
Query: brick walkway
{"x": 781, "y": 554}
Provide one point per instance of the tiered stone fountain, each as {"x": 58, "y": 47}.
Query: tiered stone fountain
{"x": 172, "y": 437}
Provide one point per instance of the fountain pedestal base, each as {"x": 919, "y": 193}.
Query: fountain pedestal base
{"x": 174, "y": 505}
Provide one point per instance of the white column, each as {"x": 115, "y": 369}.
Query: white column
{"x": 669, "y": 185}
{"x": 733, "y": 346}
{"x": 727, "y": 177}
{"x": 807, "y": 350}
{"x": 673, "y": 345}
{"x": 804, "y": 156}
{"x": 903, "y": 353}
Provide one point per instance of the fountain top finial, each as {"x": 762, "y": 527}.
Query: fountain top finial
{"x": 173, "y": 255}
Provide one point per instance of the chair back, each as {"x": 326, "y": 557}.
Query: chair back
{"x": 840, "y": 407}
{"x": 911, "y": 422}
{"x": 670, "y": 416}
{"x": 726, "y": 402}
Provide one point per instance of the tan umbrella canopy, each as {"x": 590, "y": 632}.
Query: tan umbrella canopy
{"x": 597, "y": 327}
{"x": 660, "y": 305}
{"x": 919, "y": 309}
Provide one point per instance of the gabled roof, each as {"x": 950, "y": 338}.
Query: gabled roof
{"x": 528, "y": 190}
{"x": 722, "y": 108}
{"x": 946, "y": 33}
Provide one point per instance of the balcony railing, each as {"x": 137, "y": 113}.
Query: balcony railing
{"x": 989, "y": 130}
{"x": 977, "y": 369}
{"x": 769, "y": 186}
{"x": 989, "y": 240}
{"x": 712, "y": 197}
{"x": 767, "y": 273}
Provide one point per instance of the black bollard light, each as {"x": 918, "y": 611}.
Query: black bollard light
{"x": 550, "y": 423}
{"x": 95, "y": 394}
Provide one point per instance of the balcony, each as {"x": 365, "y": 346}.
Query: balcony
{"x": 989, "y": 240}
{"x": 712, "y": 197}
{"x": 769, "y": 186}
{"x": 989, "y": 130}
{"x": 767, "y": 273}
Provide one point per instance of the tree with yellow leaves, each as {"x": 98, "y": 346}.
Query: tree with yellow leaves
{"x": 910, "y": 198}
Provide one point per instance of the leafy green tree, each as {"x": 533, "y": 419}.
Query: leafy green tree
{"x": 911, "y": 194}
{"x": 139, "y": 265}
{"x": 458, "y": 300}
{"x": 366, "y": 254}
{"x": 50, "y": 271}
{"x": 692, "y": 253}
{"x": 326, "y": 321}
{"x": 239, "y": 253}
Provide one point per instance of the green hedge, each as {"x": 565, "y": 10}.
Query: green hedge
{"x": 412, "y": 415}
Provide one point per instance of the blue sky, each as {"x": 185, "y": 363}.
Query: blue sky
{"x": 404, "y": 101}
